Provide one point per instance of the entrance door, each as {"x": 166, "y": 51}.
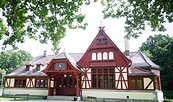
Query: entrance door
{"x": 66, "y": 86}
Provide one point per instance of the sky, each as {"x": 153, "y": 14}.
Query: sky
{"x": 78, "y": 40}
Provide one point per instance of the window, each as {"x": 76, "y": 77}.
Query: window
{"x": 133, "y": 84}
{"x": 38, "y": 67}
{"x": 99, "y": 56}
{"x": 27, "y": 67}
{"x": 139, "y": 84}
{"x": 101, "y": 41}
{"x": 105, "y": 56}
{"x": 103, "y": 78}
{"x": 41, "y": 83}
{"x": 111, "y": 55}
{"x": 136, "y": 84}
{"x": 60, "y": 66}
{"x": 20, "y": 83}
{"x": 104, "y": 41}
{"x": 98, "y": 41}
{"x": 93, "y": 56}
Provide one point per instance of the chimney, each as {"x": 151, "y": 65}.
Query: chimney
{"x": 45, "y": 53}
{"x": 126, "y": 42}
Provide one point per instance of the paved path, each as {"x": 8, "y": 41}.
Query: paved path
{"x": 41, "y": 101}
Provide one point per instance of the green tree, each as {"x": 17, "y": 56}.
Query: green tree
{"x": 139, "y": 13}
{"x": 49, "y": 18}
{"x": 160, "y": 48}
{"x": 45, "y": 20}
{"x": 10, "y": 60}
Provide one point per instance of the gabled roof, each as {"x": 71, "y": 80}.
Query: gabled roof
{"x": 65, "y": 55}
{"x": 139, "y": 60}
{"x": 44, "y": 60}
{"x": 101, "y": 34}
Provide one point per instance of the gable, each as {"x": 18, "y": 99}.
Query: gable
{"x": 103, "y": 52}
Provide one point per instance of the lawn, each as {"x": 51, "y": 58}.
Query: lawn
{"x": 7, "y": 98}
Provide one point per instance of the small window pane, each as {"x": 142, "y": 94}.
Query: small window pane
{"x": 105, "y": 70}
{"x": 93, "y": 56}
{"x": 105, "y": 56}
{"x": 111, "y": 55}
{"x": 99, "y": 70}
{"x": 93, "y": 70}
{"x": 133, "y": 84}
{"x": 98, "y": 41}
{"x": 17, "y": 83}
{"x": 60, "y": 66}
{"x": 111, "y": 70}
{"x": 94, "y": 81}
{"x": 38, "y": 67}
{"x": 45, "y": 83}
{"x": 104, "y": 41}
{"x": 99, "y": 56}
{"x": 100, "y": 81}
{"x": 37, "y": 83}
{"x": 139, "y": 84}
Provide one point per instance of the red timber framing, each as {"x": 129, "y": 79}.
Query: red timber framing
{"x": 104, "y": 65}
{"x": 26, "y": 82}
{"x": 144, "y": 83}
{"x": 63, "y": 78}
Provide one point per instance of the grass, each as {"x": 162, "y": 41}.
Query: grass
{"x": 7, "y": 98}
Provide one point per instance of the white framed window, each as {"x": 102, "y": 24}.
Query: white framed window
{"x": 105, "y": 56}
{"x": 99, "y": 56}
{"x": 111, "y": 55}
{"x": 93, "y": 56}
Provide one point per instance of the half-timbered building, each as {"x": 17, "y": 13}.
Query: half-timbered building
{"x": 103, "y": 71}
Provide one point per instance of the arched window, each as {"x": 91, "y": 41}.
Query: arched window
{"x": 105, "y": 56}
{"x": 111, "y": 55}
{"x": 93, "y": 56}
{"x": 99, "y": 56}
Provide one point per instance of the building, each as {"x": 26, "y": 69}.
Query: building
{"x": 103, "y": 71}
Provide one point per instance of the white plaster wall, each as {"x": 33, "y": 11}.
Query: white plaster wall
{"x": 146, "y": 82}
{"x": 12, "y": 82}
{"x": 30, "y": 91}
{"x": 33, "y": 80}
{"x": 121, "y": 94}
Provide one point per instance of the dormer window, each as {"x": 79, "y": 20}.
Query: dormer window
{"x": 27, "y": 67}
{"x": 38, "y": 67}
{"x": 101, "y": 41}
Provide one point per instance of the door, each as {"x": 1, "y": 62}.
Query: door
{"x": 65, "y": 86}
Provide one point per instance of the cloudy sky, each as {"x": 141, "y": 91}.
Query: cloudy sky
{"x": 78, "y": 40}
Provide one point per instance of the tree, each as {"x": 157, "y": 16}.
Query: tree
{"x": 139, "y": 13}
{"x": 11, "y": 60}
{"x": 49, "y": 18}
{"x": 45, "y": 20}
{"x": 161, "y": 49}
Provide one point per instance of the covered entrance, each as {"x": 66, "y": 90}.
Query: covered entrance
{"x": 64, "y": 77}
{"x": 64, "y": 85}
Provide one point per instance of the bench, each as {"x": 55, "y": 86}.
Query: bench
{"x": 90, "y": 98}
{"x": 21, "y": 96}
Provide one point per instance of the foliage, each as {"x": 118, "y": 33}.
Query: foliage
{"x": 10, "y": 60}
{"x": 49, "y": 18}
{"x": 168, "y": 94}
{"x": 139, "y": 13}
{"x": 161, "y": 49}
{"x": 168, "y": 100}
